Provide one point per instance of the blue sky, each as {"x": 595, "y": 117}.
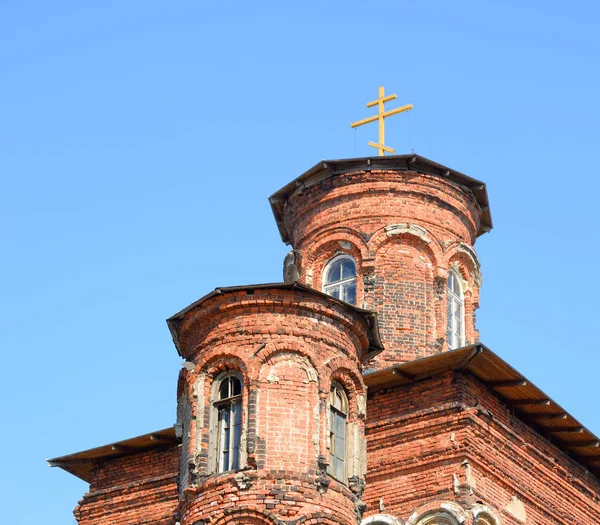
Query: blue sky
{"x": 140, "y": 140}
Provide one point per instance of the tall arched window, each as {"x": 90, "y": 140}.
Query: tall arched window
{"x": 227, "y": 427}
{"x": 340, "y": 279}
{"x": 455, "y": 331}
{"x": 338, "y": 419}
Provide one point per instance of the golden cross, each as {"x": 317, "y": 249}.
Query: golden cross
{"x": 380, "y": 116}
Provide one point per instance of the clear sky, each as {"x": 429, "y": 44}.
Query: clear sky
{"x": 139, "y": 141}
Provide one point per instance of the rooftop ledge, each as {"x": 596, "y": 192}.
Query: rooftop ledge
{"x": 522, "y": 397}
{"x": 370, "y": 317}
{"x": 410, "y": 162}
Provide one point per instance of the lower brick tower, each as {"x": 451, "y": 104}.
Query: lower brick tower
{"x": 272, "y": 374}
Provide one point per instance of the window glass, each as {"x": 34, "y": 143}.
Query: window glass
{"x": 350, "y": 293}
{"x": 340, "y": 279}
{"x": 224, "y": 389}
{"x": 338, "y": 417}
{"x": 348, "y": 268}
{"x": 236, "y": 386}
{"x": 455, "y": 330}
{"x": 228, "y": 408}
{"x": 335, "y": 272}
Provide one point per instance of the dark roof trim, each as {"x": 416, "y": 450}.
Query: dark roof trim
{"x": 522, "y": 397}
{"x": 375, "y": 344}
{"x": 81, "y": 464}
{"x": 410, "y": 162}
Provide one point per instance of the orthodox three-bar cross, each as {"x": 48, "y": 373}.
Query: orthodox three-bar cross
{"x": 380, "y": 116}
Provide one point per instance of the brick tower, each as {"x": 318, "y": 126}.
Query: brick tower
{"x": 407, "y": 225}
{"x": 273, "y": 373}
{"x": 357, "y": 391}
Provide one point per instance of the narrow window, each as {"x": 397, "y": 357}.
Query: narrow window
{"x": 338, "y": 417}
{"x": 455, "y": 332}
{"x": 340, "y": 279}
{"x": 228, "y": 414}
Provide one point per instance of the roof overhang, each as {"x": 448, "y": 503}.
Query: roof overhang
{"x": 521, "y": 396}
{"x": 410, "y": 162}
{"x": 81, "y": 464}
{"x": 375, "y": 345}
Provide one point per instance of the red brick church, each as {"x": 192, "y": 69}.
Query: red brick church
{"x": 356, "y": 392}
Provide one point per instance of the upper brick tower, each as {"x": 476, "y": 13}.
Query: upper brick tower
{"x": 394, "y": 235}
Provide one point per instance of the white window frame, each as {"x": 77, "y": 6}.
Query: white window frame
{"x": 219, "y": 434}
{"x": 454, "y": 334}
{"x": 342, "y": 283}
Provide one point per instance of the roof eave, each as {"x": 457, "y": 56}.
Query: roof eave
{"x": 473, "y": 357}
{"x": 408, "y": 162}
{"x": 370, "y": 317}
{"x": 80, "y": 464}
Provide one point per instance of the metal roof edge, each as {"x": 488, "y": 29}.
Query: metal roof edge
{"x": 466, "y": 358}
{"x": 405, "y": 162}
{"x": 78, "y": 463}
{"x": 375, "y": 343}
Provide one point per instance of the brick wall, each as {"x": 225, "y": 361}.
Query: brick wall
{"x": 448, "y": 438}
{"x": 139, "y": 488}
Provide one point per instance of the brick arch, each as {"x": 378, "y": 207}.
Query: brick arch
{"x": 347, "y": 378}
{"x": 382, "y": 519}
{"x": 322, "y": 518}
{"x": 418, "y": 235}
{"x": 345, "y": 371}
{"x": 466, "y": 258}
{"x": 288, "y": 397}
{"x": 221, "y": 361}
{"x": 482, "y": 515}
{"x": 247, "y": 516}
{"x": 274, "y": 349}
{"x": 438, "y": 513}
{"x": 334, "y": 235}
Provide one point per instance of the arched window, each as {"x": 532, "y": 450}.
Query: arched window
{"x": 227, "y": 426}
{"x": 381, "y": 519}
{"x": 438, "y": 513}
{"x": 438, "y": 518}
{"x": 485, "y": 520}
{"x": 340, "y": 279}
{"x": 482, "y": 515}
{"x": 455, "y": 331}
{"x": 338, "y": 419}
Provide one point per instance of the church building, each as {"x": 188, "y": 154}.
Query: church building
{"x": 356, "y": 391}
